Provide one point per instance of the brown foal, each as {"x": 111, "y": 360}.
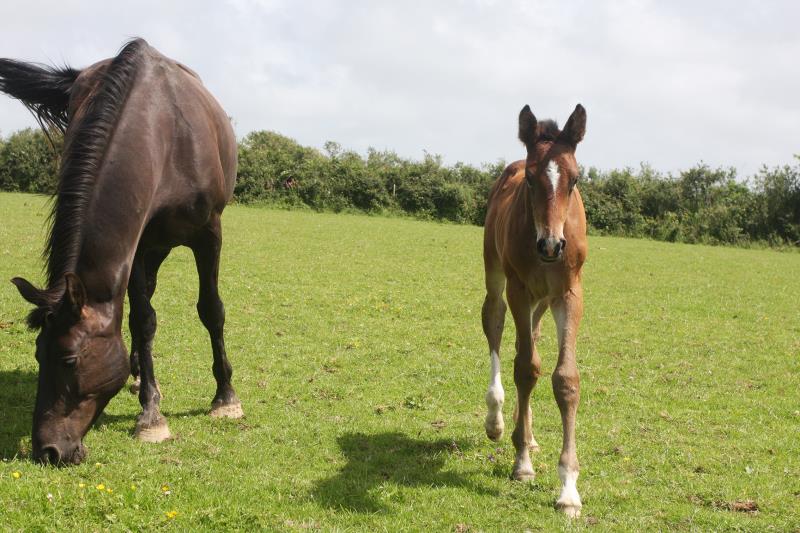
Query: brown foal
{"x": 534, "y": 247}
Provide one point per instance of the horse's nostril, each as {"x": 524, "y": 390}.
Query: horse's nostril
{"x": 50, "y": 454}
{"x": 540, "y": 246}
{"x": 562, "y": 245}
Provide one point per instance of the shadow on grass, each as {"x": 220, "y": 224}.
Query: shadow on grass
{"x": 17, "y": 398}
{"x": 377, "y": 463}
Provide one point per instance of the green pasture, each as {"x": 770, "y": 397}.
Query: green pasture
{"x": 361, "y": 365}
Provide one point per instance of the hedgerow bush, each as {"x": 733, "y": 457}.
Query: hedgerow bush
{"x": 699, "y": 205}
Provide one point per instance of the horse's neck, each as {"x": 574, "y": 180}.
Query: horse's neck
{"x": 111, "y": 231}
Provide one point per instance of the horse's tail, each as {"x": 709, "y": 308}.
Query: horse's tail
{"x": 44, "y": 90}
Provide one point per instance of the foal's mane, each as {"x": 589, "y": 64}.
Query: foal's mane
{"x": 85, "y": 148}
{"x": 547, "y": 131}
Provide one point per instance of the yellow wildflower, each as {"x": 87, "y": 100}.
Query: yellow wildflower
{"x": 109, "y": 490}
{"x": 81, "y": 485}
{"x": 16, "y": 475}
{"x": 133, "y": 487}
{"x": 100, "y": 487}
{"x": 172, "y": 514}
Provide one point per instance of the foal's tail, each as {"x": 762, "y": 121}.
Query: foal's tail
{"x": 44, "y": 90}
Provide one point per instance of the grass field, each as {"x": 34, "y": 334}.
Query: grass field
{"x": 361, "y": 364}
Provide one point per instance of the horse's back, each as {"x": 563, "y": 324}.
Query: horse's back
{"x": 173, "y": 152}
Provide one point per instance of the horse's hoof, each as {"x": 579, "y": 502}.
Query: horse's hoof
{"x": 154, "y": 433}
{"x": 135, "y": 386}
{"x": 572, "y": 511}
{"x": 227, "y": 410}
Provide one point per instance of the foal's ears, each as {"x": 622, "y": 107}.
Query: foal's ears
{"x": 575, "y": 128}
{"x": 528, "y": 131}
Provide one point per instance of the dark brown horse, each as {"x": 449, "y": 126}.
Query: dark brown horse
{"x": 149, "y": 163}
{"x": 534, "y": 248}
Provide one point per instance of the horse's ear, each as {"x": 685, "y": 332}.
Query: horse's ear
{"x": 74, "y": 293}
{"x": 576, "y": 127}
{"x": 528, "y": 131}
{"x": 29, "y": 292}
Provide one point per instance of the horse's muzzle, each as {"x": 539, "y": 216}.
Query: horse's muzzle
{"x": 56, "y": 455}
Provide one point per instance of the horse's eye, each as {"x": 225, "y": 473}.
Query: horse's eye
{"x": 69, "y": 361}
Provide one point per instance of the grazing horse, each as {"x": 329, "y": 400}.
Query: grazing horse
{"x": 534, "y": 248}
{"x": 149, "y": 162}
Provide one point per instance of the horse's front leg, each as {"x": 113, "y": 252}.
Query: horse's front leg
{"x": 151, "y": 426}
{"x": 567, "y": 312}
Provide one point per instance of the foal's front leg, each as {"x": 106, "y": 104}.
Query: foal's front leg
{"x": 567, "y": 312}
{"x": 527, "y": 368}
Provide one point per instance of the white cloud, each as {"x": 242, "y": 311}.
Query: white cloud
{"x": 667, "y": 83}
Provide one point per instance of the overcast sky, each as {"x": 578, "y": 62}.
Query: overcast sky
{"x": 668, "y": 83}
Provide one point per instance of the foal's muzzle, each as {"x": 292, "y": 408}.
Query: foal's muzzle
{"x": 551, "y": 249}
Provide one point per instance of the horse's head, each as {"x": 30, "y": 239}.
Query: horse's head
{"x": 551, "y": 173}
{"x": 82, "y": 365}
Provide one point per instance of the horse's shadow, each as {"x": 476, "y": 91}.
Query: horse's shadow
{"x": 377, "y": 464}
{"x": 17, "y": 396}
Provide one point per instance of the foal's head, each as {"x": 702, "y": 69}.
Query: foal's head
{"x": 82, "y": 365}
{"x": 551, "y": 173}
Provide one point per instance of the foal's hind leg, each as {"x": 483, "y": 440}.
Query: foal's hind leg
{"x": 567, "y": 312}
{"x": 152, "y": 262}
{"x": 150, "y": 425}
{"x": 206, "y": 248}
{"x": 493, "y": 317}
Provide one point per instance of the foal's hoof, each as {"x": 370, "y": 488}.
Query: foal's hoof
{"x": 494, "y": 428}
{"x": 227, "y": 410}
{"x": 572, "y": 511}
{"x": 153, "y": 433}
{"x": 135, "y": 386}
{"x": 523, "y": 474}
{"x": 523, "y": 470}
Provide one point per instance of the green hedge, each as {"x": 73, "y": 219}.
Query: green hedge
{"x": 699, "y": 205}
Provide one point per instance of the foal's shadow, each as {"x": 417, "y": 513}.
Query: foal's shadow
{"x": 17, "y": 396}
{"x": 378, "y": 463}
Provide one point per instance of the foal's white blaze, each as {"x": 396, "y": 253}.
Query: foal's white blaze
{"x": 554, "y": 174}
{"x": 569, "y": 500}
{"x": 495, "y": 397}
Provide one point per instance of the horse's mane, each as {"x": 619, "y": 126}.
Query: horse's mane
{"x": 85, "y": 147}
{"x": 83, "y": 155}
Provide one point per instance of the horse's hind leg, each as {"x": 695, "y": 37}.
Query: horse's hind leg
{"x": 206, "y": 248}
{"x": 493, "y": 317}
{"x": 150, "y": 425}
{"x": 152, "y": 262}
{"x": 567, "y": 312}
